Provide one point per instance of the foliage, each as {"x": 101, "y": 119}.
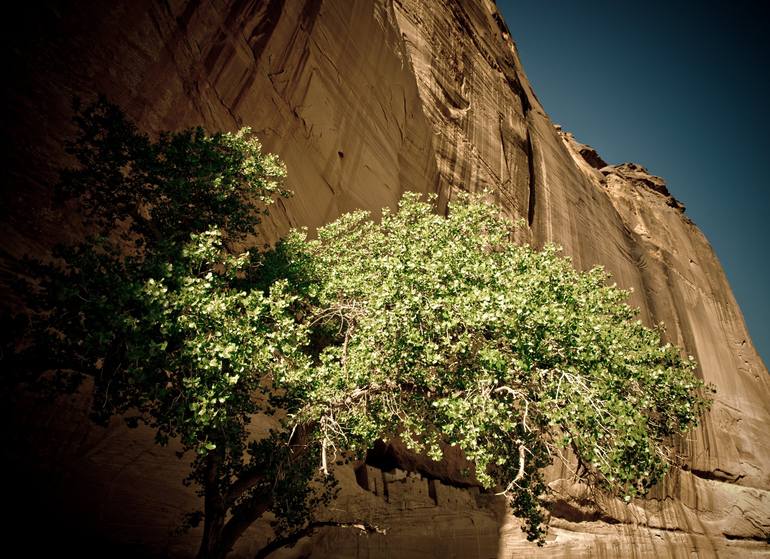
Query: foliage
{"x": 159, "y": 309}
{"x": 432, "y": 329}
{"x": 442, "y": 330}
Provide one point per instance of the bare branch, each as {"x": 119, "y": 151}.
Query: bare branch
{"x": 520, "y": 475}
{"x": 297, "y": 535}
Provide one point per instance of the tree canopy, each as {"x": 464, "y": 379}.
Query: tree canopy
{"x": 444, "y": 331}
{"x": 157, "y": 307}
{"x": 437, "y": 330}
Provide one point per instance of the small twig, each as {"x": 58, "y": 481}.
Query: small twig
{"x": 520, "y": 474}
{"x": 328, "y": 423}
{"x": 324, "y": 466}
{"x": 524, "y": 418}
{"x": 291, "y": 435}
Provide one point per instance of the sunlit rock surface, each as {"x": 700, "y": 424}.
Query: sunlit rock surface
{"x": 363, "y": 101}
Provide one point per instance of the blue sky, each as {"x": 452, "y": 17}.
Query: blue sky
{"x": 681, "y": 88}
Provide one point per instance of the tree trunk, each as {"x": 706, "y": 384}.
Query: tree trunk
{"x": 214, "y": 511}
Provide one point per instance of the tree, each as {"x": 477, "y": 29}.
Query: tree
{"x": 435, "y": 330}
{"x": 441, "y": 330}
{"x": 158, "y": 307}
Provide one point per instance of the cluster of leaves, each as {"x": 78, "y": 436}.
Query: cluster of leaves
{"x": 442, "y": 330}
{"x": 436, "y": 330}
{"x": 160, "y": 310}
{"x": 152, "y": 304}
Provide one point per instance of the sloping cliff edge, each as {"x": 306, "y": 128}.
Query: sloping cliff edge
{"x": 363, "y": 101}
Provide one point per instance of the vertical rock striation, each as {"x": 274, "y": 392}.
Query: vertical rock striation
{"x": 363, "y": 101}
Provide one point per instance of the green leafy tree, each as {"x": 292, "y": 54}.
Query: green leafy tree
{"x": 159, "y": 309}
{"x": 441, "y": 330}
{"x": 432, "y": 329}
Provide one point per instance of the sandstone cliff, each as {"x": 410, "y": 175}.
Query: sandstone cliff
{"x": 363, "y": 101}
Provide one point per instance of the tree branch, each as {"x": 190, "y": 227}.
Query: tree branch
{"x": 520, "y": 474}
{"x": 251, "y": 478}
{"x": 294, "y": 537}
{"x": 241, "y": 485}
{"x": 242, "y": 518}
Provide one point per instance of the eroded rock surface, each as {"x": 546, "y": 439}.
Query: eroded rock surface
{"x": 363, "y": 101}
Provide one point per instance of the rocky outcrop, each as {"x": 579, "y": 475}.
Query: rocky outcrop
{"x": 589, "y": 154}
{"x": 638, "y": 177}
{"x": 363, "y": 101}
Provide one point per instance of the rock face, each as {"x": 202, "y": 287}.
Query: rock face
{"x": 363, "y": 101}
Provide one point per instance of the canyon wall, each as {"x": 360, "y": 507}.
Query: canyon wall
{"x": 363, "y": 101}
